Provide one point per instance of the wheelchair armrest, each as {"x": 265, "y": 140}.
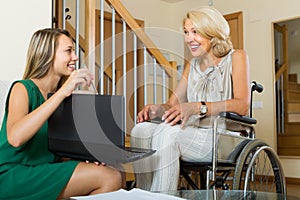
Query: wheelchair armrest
{"x": 237, "y": 117}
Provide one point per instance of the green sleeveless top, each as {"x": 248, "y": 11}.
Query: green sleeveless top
{"x": 31, "y": 171}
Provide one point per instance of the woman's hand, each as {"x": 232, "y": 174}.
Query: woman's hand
{"x": 180, "y": 113}
{"x": 143, "y": 115}
{"x": 78, "y": 77}
{"x": 156, "y": 111}
{"x": 150, "y": 111}
{"x": 96, "y": 163}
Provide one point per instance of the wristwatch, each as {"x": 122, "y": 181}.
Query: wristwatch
{"x": 203, "y": 109}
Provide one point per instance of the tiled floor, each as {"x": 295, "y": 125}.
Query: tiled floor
{"x": 292, "y": 189}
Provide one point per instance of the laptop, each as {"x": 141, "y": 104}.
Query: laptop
{"x": 92, "y": 127}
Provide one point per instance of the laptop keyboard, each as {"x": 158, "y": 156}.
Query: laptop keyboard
{"x": 133, "y": 155}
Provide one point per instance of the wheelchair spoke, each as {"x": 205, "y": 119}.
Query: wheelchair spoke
{"x": 264, "y": 176}
{"x": 259, "y": 169}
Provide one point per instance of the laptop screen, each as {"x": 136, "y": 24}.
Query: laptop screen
{"x": 86, "y": 119}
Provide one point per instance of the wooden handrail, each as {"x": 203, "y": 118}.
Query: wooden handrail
{"x": 87, "y": 44}
{"x": 284, "y": 67}
{"x": 72, "y": 31}
{"x": 151, "y": 47}
{"x": 281, "y": 70}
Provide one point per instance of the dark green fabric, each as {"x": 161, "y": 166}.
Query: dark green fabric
{"x": 31, "y": 171}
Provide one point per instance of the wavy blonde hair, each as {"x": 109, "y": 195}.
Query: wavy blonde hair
{"x": 211, "y": 25}
{"x": 41, "y": 52}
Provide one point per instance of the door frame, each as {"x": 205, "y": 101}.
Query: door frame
{"x": 235, "y": 21}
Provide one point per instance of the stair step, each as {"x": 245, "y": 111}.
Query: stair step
{"x": 293, "y": 86}
{"x": 127, "y": 141}
{"x": 293, "y": 95}
{"x": 289, "y": 141}
{"x": 294, "y": 101}
{"x": 292, "y": 128}
{"x": 293, "y": 78}
{"x": 293, "y": 117}
{"x": 293, "y": 107}
{"x": 288, "y": 151}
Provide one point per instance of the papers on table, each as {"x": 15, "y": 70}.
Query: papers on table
{"x": 128, "y": 195}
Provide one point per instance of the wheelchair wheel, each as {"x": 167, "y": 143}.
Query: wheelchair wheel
{"x": 258, "y": 169}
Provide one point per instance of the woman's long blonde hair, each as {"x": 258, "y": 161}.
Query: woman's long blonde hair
{"x": 41, "y": 52}
{"x": 211, "y": 24}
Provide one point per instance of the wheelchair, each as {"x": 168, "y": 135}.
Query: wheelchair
{"x": 251, "y": 165}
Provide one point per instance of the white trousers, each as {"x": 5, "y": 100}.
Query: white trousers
{"x": 160, "y": 172}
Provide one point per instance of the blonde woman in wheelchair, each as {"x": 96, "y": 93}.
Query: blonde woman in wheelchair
{"x": 216, "y": 79}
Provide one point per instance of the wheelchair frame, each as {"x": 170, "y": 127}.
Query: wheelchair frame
{"x": 244, "y": 160}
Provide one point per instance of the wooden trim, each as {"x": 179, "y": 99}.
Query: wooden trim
{"x": 90, "y": 30}
{"x": 151, "y": 47}
{"x": 279, "y": 28}
{"x": 173, "y": 78}
{"x": 281, "y": 70}
{"x": 290, "y": 180}
{"x": 284, "y": 66}
{"x": 239, "y": 17}
{"x": 289, "y": 157}
{"x": 72, "y": 31}
{"x": 58, "y": 13}
{"x": 108, "y": 16}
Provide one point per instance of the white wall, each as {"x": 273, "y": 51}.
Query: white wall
{"x": 19, "y": 20}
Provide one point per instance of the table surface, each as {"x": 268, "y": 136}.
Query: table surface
{"x": 227, "y": 194}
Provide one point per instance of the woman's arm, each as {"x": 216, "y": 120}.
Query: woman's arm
{"x": 178, "y": 96}
{"x": 22, "y": 125}
{"x": 239, "y": 103}
{"x": 241, "y": 88}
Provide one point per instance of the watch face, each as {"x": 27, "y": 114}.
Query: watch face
{"x": 203, "y": 109}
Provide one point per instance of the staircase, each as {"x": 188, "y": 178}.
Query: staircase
{"x": 119, "y": 52}
{"x": 289, "y": 141}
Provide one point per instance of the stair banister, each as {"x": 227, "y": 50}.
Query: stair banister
{"x": 94, "y": 62}
{"x": 123, "y": 12}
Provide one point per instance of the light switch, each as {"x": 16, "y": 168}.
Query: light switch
{"x": 257, "y": 105}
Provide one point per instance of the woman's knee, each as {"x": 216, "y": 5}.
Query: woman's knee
{"x": 113, "y": 179}
{"x": 118, "y": 179}
{"x": 138, "y": 130}
{"x": 141, "y": 135}
{"x": 102, "y": 178}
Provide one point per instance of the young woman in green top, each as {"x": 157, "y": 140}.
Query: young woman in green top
{"x": 27, "y": 169}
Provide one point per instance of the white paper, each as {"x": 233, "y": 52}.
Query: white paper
{"x": 129, "y": 195}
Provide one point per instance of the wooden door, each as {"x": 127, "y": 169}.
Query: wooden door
{"x": 235, "y": 21}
